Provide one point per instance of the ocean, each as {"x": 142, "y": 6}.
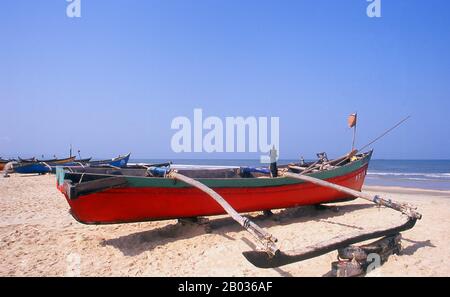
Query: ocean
{"x": 424, "y": 174}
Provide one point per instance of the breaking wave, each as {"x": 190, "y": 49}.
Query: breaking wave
{"x": 411, "y": 175}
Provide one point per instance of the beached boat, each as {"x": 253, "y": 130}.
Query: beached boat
{"x": 99, "y": 196}
{"x": 39, "y": 167}
{"x": 45, "y": 167}
{"x": 32, "y": 159}
{"x": 122, "y": 195}
{"x": 49, "y": 161}
{"x": 120, "y": 161}
{"x": 32, "y": 167}
{"x": 83, "y": 161}
{"x": 159, "y": 192}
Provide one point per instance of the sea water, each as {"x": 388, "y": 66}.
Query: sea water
{"x": 425, "y": 174}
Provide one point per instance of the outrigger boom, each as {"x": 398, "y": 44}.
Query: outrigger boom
{"x": 401, "y": 207}
{"x": 265, "y": 260}
{"x": 272, "y": 256}
{"x": 265, "y": 238}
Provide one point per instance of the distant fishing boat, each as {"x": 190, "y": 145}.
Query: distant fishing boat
{"x": 82, "y": 161}
{"x": 33, "y": 159}
{"x": 119, "y": 161}
{"x": 31, "y": 167}
{"x": 50, "y": 161}
{"x": 40, "y": 167}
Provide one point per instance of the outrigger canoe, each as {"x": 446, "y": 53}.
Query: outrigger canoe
{"x": 122, "y": 195}
{"x": 106, "y": 195}
{"x": 158, "y": 192}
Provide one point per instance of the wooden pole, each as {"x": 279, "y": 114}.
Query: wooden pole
{"x": 401, "y": 207}
{"x": 265, "y": 238}
{"x": 354, "y": 132}
{"x": 334, "y": 162}
{"x": 355, "y": 151}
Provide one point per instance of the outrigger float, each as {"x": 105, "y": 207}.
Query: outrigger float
{"x": 165, "y": 191}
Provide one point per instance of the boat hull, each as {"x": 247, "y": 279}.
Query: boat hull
{"x": 52, "y": 161}
{"x": 116, "y": 162}
{"x": 143, "y": 202}
{"x": 32, "y": 168}
{"x": 42, "y": 167}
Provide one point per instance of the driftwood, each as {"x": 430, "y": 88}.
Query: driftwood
{"x": 346, "y": 269}
{"x": 355, "y": 260}
{"x": 383, "y": 247}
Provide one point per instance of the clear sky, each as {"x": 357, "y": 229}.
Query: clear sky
{"x": 111, "y": 81}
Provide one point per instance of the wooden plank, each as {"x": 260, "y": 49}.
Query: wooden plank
{"x": 94, "y": 186}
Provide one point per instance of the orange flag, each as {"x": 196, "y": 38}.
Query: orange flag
{"x": 352, "y": 120}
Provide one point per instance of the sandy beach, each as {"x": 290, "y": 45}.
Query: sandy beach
{"x": 40, "y": 238}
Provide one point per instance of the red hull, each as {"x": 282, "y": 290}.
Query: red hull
{"x": 140, "y": 204}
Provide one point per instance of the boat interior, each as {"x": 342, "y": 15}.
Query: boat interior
{"x": 87, "y": 173}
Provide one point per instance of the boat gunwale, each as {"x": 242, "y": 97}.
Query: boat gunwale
{"x": 232, "y": 181}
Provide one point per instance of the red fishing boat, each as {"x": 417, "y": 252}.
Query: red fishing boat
{"x": 108, "y": 195}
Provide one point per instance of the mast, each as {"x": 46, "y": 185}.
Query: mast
{"x": 352, "y": 121}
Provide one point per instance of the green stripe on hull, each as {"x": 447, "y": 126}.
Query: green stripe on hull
{"x": 141, "y": 182}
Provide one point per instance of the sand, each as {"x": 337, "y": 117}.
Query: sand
{"x": 40, "y": 238}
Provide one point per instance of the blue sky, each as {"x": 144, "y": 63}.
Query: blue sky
{"x": 111, "y": 81}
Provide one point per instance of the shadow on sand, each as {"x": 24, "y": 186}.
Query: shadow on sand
{"x": 137, "y": 243}
{"x": 410, "y": 250}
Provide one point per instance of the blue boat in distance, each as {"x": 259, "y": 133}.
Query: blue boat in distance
{"x": 43, "y": 167}
{"x": 120, "y": 161}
